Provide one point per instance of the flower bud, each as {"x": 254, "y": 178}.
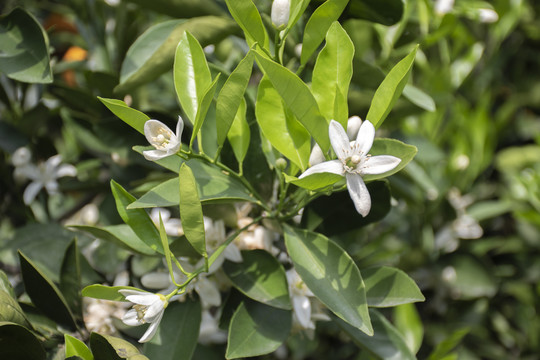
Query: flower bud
{"x": 353, "y": 125}
{"x": 21, "y": 157}
{"x": 316, "y": 156}
{"x": 281, "y": 164}
{"x": 280, "y": 13}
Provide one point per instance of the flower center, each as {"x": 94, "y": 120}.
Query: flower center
{"x": 141, "y": 310}
{"x": 162, "y": 139}
{"x": 351, "y": 163}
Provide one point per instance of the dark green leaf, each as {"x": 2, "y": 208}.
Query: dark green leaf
{"x": 445, "y": 346}
{"x": 25, "y": 48}
{"x": 10, "y": 310}
{"x": 70, "y": 280}
{"x": 257, "y": 329}
{"x": 331, "y": 274}
{"x": 261, "y": 277}
{"x": 178, "y": 332}
{"x": 44, "y": 294}
{"x": 386, "y": 12}
{"x": 181, "y": 8}
{"x": 18, "y": 343}
{"x": 386, "y": 287}
{"x": 106, "y": 347}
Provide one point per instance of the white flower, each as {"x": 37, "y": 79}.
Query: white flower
{"x": 44, "y": 175}
{"x": 280, "y": 13}
{"x": 487, "y": 15}
{"x": 21, "y": 157}
{"x": 300, "y": 294}
{"x": 354, "y": 162}
{"x": 443, "y": 6}
{"x": 173, "y": 226}
{"x": 162, "y": 138}
{"x": 209, "y": 331}
{"x": 148, "y": 308}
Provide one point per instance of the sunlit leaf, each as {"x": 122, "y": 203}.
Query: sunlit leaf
{"x": 387, "y": 286}
{"x": 75, "y": 347}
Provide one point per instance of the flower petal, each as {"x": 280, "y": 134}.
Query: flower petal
{"x": 66, "y": 170}
{"x": 359, "y": 193}
{"x": 130, "y": 318}
{"x": 156, "y": 280}
{"x": 365, "y": 137}
{"x": 332, "y": 166}
{"x": 179, "y": 128}
{"x": 379, "y": 164}
{"x": 153, "y": 311}
{"x": 151, "y": 130}
{"x": 151, "y": 331}
{"x": 153, "y": 155}
{"x": 31, "y": 191}
{"x": 232, "y": 253}
{"x": 353, "y": 125}
{"x": 208, "y": 292}
{"x": 302, "y": 310}
{"x": 52, "y": 163}
{"x": 339, "y": 139}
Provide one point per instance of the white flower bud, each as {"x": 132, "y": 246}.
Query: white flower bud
{"x": 443, "y": 6}
{"x": 280, "y": 13}
{"x": 353, "y": 125}
{"x": 487, "y": 15}
{"x": 21, "y": 157}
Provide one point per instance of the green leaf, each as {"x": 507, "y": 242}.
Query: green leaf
{"x": 202, "y": 108}
{"x": 444, "y": 347}
{"x": 395, "y": 148}
{"x": 103, "y": 292}
{"x": 281, "y": 127}
{"x": 231, "y": 97}
{"x": 390, "y": 89}
{"x": 409, "y": 324}
{"x": 331, "y": 274}
{"x": 332, "y": 75}
{"x": 18, "y": 343}
{"x": 419, "y": 98}
{"x": 247, "y": 16}
{"x": 472, "y": 278}
{"x": 257, "y": 329}
{"x": 191, "y": 211}
{"x": 106, "y": 347}
{"x": 213, "y": 185}
{"x": 386, "y": 342}
{"x": 318, "y": 24}
{"x": 387, "y": 286}
{"x": 75, "y": 347}
{"x": 132, "y": 117}
{"x": 25, "y": 48}
{"x": 296, "y": 94}
{"x": 191, "y": 75}
{"x": 45, "y": 295}
{"x": 137, "y": 219}
{"x": 10, "y": 310}
{"x": 166, "y": 250}
{"x": 386, "y": 12}
{"x": 121, "y": 235}
{"x": 178, "y": 332}
{"x": 181, "y": 8}
{"x": 261, "y": 277}
{"x": 152, "y": 54}
{"x": 239, "y": 134}
{"x": 70, "y": 280}
{"x": 314, "y": 181}
{"x": 5, "y": 285}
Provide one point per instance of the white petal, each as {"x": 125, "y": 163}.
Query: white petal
{"x": 128, "y": 292}
{"x": 31, "y": 191}
{"x": 339, "y": 139}
{"x": 208, "y": 292}
{"x": 151, "y": 331}
{"x": 153, "y": 155}
{"x": 179, "y": 128}
{"x": 302, "y": 310}
{"x": 332, "y": 166}
{"x": 156, "y": 280}
{"x": 153, "y": 311}
{"x": 379, "y": 164}
{"x": 53, "y": 162}
{"x": 51, "y": 187}
{"x": 173, "y": 227}
{"x": 353, "y": 125}
{"x": 66, "y": 170}
{"x": 130, "y": 318}
{"x": 365, "y": 137}
{"x": 359, "y": 193}
{"x": 233, "y": 253}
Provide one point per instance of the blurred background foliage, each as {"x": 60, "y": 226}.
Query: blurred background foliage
{"x": 465, "y": 215}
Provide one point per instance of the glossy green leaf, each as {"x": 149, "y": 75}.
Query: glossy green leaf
{"x": 191, "y": 211}
{"x": 314, "y": 181}
{"x": 25, "y": 48}
{"x": 261, "y": 277}
{"x": 419, "y": 98}
{"x": 299, "y": 99}
{"x": 44, "y": 294}
{"x": 178, "y": 332}
{"x": 387, "y": 286}
{"x": 181, "y": 8}
{"x": 386, "y": 342}
{"x": 386, "y": 12}
{"x": 390, "y": 89}
{"x": 70, "y": 280}
{"x": 191, "y": 75}
{"x": 408, "y": 323}
{"x": 18, "y": 343}
{"x": 247, "y": 16}
{"x": 318, "y": 24}
{"x": 75, "y": 347}
{"x": 106, "y": 347}
{"x": 332, "y": 75}
{"x": 103, "y": 292}
{"x": 257, "y": 329}
{"x": 395, "y": 148}
{"x": 239, "y": 134}
{"x": 121, "y": 235}
{"x": 281, "y": 127}
{"x": 331, "y": 274}
{"x": 296, "y": 11}
{"x": 202, "y": 109}
{"x": 132, "y": 117}
{"x": 141, "y": 66}
{"x": 231, "y": 97}
{"x": 213, "y": 185}
{"x": 10, "y": 310}
{"x": 137, "y": 219}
